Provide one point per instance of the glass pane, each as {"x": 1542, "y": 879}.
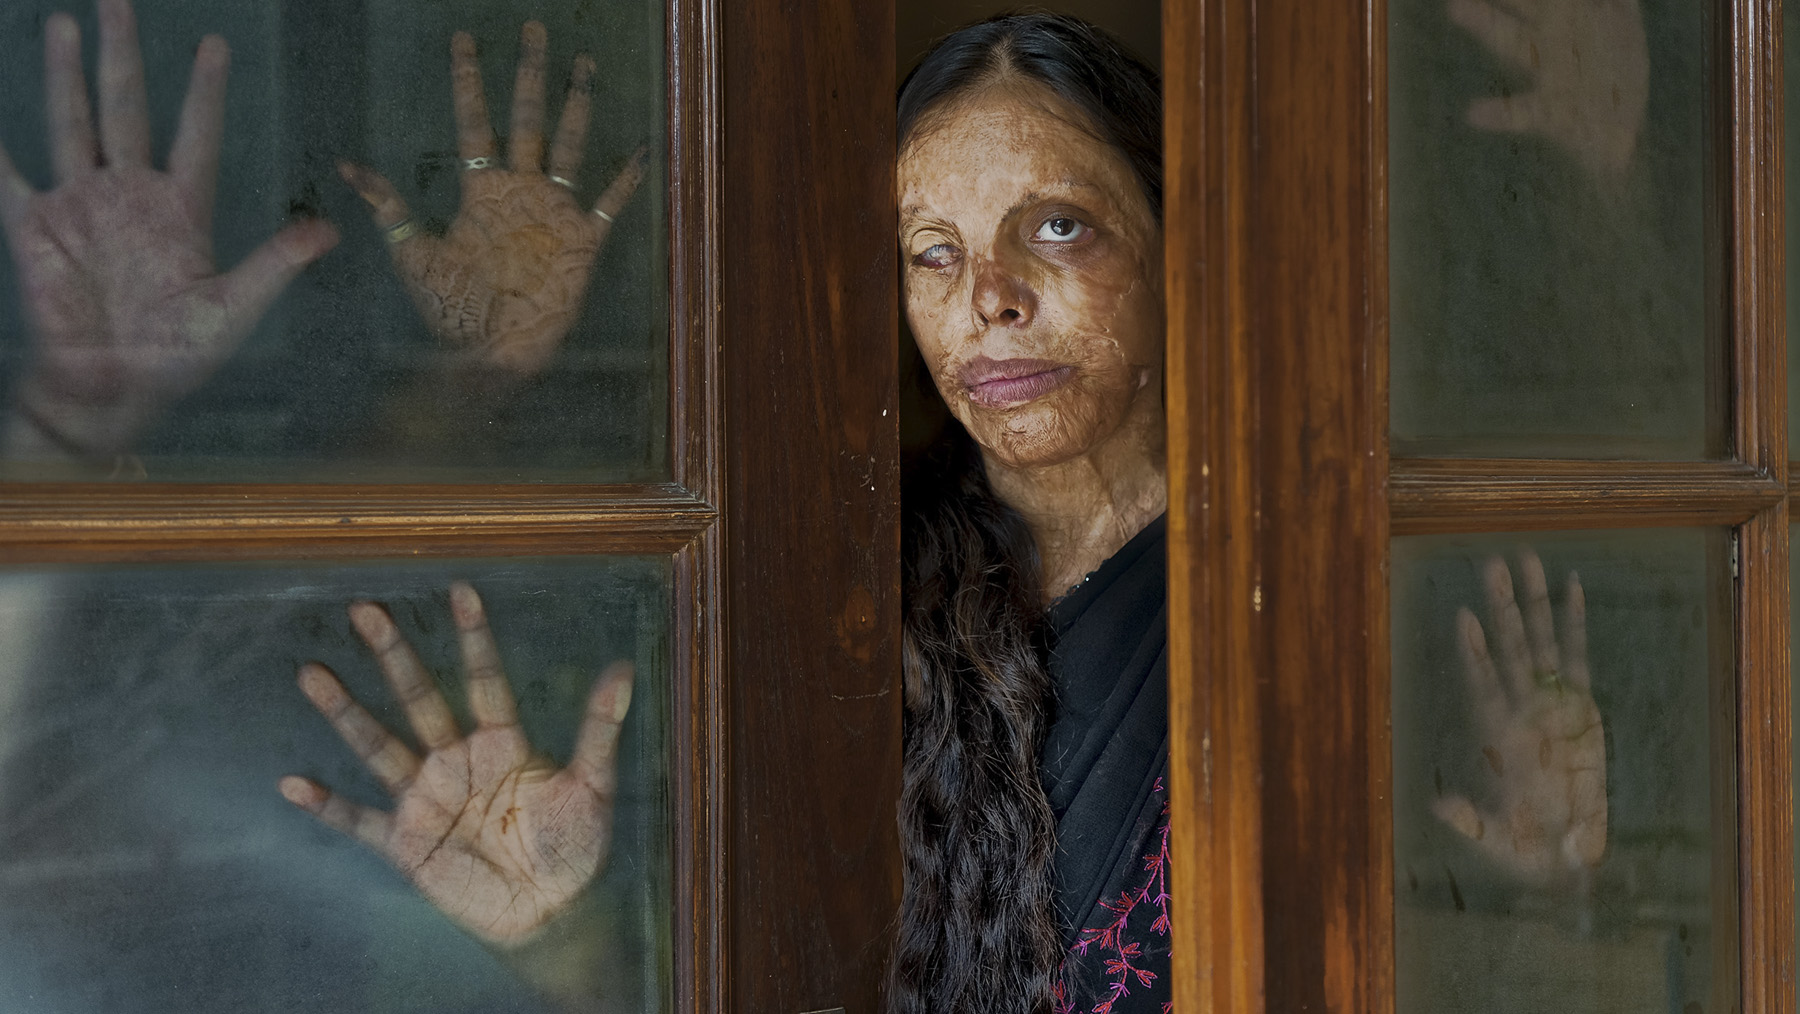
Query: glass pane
{"x": 1548, "y": 198}
{"x": 507, "y": 350}
{"x": 1564, "y": 822}
{"x": 148, "y": 862}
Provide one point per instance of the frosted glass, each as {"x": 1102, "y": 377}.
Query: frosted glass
{"x": 149, "y": 864}
{"x": 345, "y": 378}
{"x": 1563, "y": 836}
{"x": 1548, "y": 195}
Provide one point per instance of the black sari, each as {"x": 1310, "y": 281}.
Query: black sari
{"x": 1105, "y": 767}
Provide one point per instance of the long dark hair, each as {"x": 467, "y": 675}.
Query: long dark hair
{"x": 978, "y": 931}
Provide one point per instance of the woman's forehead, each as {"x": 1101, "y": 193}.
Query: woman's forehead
{"x": 1007, "y": 145}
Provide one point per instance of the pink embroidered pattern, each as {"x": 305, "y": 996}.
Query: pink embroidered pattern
{"x": 1119, "y": 955}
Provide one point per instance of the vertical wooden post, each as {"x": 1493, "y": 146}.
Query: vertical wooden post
{"x": 1279, "y": 525}
{"x": 810, "y": 530}
{"x": 1214, "y": 629}
{"x": 1751, "y": 136}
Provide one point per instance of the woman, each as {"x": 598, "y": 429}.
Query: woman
{"x": 1034, "y": 816}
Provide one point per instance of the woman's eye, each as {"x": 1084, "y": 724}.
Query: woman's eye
{"x": 1061, "y": 230}
{"x": 941, "y": 256}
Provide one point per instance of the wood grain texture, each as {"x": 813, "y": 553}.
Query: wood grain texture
{"x": 696, "y": 422}
{"x": 1214, "y": 630}
{"x": 1279, "y": 524}
{"x": 1756, "y": 249}
{"x": 1764, "y": 793}
{"x": 700, "y": 777}
{"x": 811, "y": 525}
{"x": 134, "y": 523}
{"x": 1755, "y": 242}
{"x": 1380, "y": 954}
{"x": 1323, "y": 455}
{"x": 1449, "y": 495}
{"x": 699, "y": 781}
{"x": 1316, "y": 221}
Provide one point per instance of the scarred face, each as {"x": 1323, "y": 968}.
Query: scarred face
{"x": 1033, "y": 274}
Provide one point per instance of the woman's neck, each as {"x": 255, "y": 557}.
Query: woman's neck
{"x": 1083, "y": 510}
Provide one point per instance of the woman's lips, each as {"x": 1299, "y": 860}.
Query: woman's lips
{"x": 998, "y": 383}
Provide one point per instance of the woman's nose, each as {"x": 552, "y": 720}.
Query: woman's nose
{"x": 1002, "y": 299}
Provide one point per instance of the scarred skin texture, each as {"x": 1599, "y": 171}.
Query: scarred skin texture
{"x": 1023, "y": 236}
{"x": 987, "y": 187}
{"x": 504, "y": 285}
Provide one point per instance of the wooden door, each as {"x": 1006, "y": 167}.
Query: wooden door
{"x": 1307, "y": 492}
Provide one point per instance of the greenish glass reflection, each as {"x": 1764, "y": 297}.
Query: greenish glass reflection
{"x": 522, "y": 355}
{"x": 1562, "y": 839}
{"x": 1548, "y": 195}
{"x": 149, "y": 864}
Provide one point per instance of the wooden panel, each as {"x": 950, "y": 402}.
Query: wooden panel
{"x": 1214, "y": 630}
{"x": 1319, "y": 288}
{"x": 811, "y": 524}
{"x": 1443, "y": 495}
{"x": 1279, "y": 523}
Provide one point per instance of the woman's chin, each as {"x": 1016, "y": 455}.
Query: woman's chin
{"x": 1034, "y": 436}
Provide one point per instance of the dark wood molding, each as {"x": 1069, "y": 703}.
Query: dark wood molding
{"x": 810, "y": 526}
{"x": 1764, "y": 776}
{"x": 699, "y": 781}
{"x": 1445, "y": 495}
{"x": 699, "y": 773}
{"x": 1379, "y": 953}
{"x": 1756, "y": 255}
{"x": 121, "y": 523}
{"x": 1215, "y": 739}
{"x": 694, "y": 269}
{"x": 1755, "y": 240}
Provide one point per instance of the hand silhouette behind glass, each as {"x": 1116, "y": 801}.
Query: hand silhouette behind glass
{"x": 494, "y": 835}
{"x": 1590, "y": 67}
{"x": 125, "y": 309}
{"x": 505, "y": 284}
{"x": 1541, "y": 733}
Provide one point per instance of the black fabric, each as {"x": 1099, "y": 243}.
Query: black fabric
{"x": 1110, "y": 735}
{"x": 1120, "y": 959}
{"x": 1105, "y": 769}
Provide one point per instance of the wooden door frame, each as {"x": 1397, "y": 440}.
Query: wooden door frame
{"x": 810, "y": 534}
{"x": 1278, "y": 527}
{"x": 1283, "y": 500}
